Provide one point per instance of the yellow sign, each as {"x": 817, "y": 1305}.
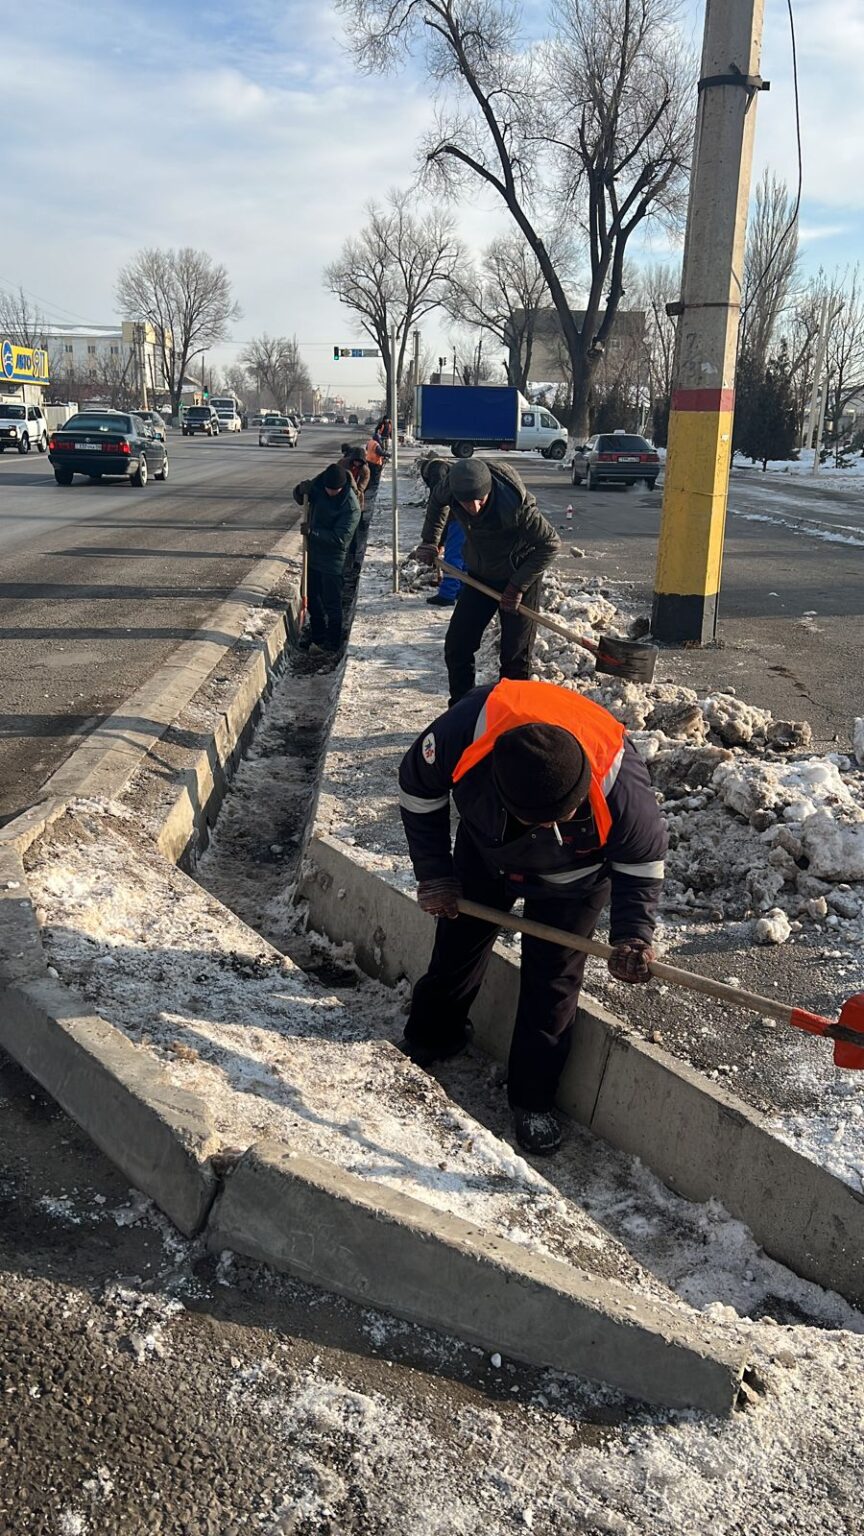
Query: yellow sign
{"x": 23, "y": 365}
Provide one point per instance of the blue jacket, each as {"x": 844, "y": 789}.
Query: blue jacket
{"x": 530, "y": 858}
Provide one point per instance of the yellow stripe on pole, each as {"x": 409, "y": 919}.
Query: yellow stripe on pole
{"x": 694, "y": 503}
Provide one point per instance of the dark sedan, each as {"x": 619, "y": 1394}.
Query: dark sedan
{"x": 619, "y": 457}
{"x": 107, "y": 445}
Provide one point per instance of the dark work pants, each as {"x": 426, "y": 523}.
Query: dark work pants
{"x": 549, "y": 982}
{"x": 471, "y": 616}
{"x": 325, "y": 610}
{"x": 375, "y": 472}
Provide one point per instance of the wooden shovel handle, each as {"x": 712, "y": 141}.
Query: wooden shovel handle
{"x": 689, "y": 979}
{"x": 539, "y": 618}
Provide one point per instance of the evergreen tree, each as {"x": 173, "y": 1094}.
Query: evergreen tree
{"x": 765, "y": 425}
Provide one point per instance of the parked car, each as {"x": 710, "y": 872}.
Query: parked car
{"x": 277, "y": 431}
{"x": 200, "y": 418}
{"x": 157, "y": 422}
{"x": 619, "y": 456}
{"x": 22, "y": 427}
{"x": 107, "y": 445}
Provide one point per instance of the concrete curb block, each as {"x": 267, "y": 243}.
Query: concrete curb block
{"x": 699, "y": 1139}
{"x": 159, "y": 1136}
{"x": 385, "y": 1249}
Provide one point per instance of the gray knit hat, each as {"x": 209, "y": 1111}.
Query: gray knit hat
{"x": 470, "y": 480}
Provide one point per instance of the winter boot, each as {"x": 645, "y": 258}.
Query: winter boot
{"x": 423, "y": 1054}
{"x": 537, "y": 1131}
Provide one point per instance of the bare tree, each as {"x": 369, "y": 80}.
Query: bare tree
{"x": 186, "y": 297}
{"x": 770, "y": 266}
{"x": 605, "y": 105}
{"x": 650, "y": 289}
{"x": 21, "y": 321}
{"x": 278, "y": 368}
{"x": 398, "y": 270}
{"x": 236, "y": 380}
{"x": 845, "y": 354}
{"x": 504, "y": 298}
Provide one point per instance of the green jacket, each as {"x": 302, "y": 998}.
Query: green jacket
{"x": 332, "y": 524}
{"x": 510, "y": 540}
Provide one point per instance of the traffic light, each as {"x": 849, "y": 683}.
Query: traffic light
{"x": 206, "y": 394}
{"x": 337, "y": 353}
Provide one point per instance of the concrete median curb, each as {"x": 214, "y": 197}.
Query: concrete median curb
{"x": 700, "y": 1140}
{"x": 159, "y": 1136}
{"x": 384, "y": 1249}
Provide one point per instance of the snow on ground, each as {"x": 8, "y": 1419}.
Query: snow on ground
{"x": 271, "y": 1052}
{"x": 766, "y": 839}
{"x": 852, "y": 471}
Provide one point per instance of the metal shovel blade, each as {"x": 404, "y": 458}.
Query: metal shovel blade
{"x": 634, "y": 660}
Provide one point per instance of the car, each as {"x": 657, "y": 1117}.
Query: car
{"x": 22, "y": 426}
{"x": 277, "y": 431}
{"x": 107, "y": 445}
{"x": 339, "y": 421}
{"x": 619, "y": 457}
{"x": 200, "y": 418}
{"x": 353, "y": 421}
{"x": 157, "y": 422}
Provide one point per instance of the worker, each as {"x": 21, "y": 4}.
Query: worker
{"x": 376, "y": 456}
{"x": 354, "y": 461}
{"x": 432, "y": 472}
{"x": 331, "y": 522}
{"x": 508, "y": 546}
{"x": 556, "y": 807}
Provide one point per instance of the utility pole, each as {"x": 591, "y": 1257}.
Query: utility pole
{"x": 394, "y": 455}
{"x": 821, "y": 348}
{"x": 690, "y": 553}
{"x": 820, "y": 425}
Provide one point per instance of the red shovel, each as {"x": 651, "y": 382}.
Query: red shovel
{"x": 847, "y": 1033}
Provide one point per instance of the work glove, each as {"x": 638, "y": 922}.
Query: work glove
{"x": 304, "y": 528}
{"x": 299, "y": 493}
{"x": 630, "y": 959}
{"x": 511, "y": 597}
{"x": 426, "y": 554}
{"x": 439, "y": 897}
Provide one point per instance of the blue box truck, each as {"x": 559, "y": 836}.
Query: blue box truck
{"x": 465, "y": 417}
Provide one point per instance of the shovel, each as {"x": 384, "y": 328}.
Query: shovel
{"x": 847, "y": 1034}
{"x": 304, "y": 571}
{"x": 634, "y": 660}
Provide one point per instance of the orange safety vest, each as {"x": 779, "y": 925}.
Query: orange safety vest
{"x": 373, "y": 452}
{"x": 600, "y": 735}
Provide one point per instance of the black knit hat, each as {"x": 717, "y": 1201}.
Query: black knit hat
{"x": 541, "y": 772}
{"x": 470, "y": 480}
{"x": 334, "y": 477}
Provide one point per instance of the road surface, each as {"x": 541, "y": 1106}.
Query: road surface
{"x": 100, "y": 583}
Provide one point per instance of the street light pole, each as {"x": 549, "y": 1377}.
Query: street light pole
{"x": 690, "y": 552}
{"x": 394, "y": 456}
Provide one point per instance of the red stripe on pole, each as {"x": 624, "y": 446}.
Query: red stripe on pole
{"x": 703, "y": 400}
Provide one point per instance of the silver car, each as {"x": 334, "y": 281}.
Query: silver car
{"x": 277, "y": 432}
{"x": 154, "y": 420}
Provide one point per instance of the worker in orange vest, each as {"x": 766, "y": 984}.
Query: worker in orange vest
{"x": 376, "y": 458}
{"x": 556, "y": 807}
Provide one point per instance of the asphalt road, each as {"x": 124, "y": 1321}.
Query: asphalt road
{"x": 100, "y": 583}
{"x": 790, "y": 634}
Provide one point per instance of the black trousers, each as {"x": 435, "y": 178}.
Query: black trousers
{"x": 471, "y": 617}
{"x": 325, "y": 610}
{"x": 375, "y": 472}
{"x": 549, "y": 983}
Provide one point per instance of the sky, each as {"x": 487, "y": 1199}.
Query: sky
{"x": 245, "y": 130}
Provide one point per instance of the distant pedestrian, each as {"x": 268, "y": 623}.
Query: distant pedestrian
{"x": 332, "y": 520}
{"x": 384, "y": 431}
{"x": 508, "y": 546}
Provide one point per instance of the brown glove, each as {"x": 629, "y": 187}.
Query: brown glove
{"x": 426, "y": 554}
{"x": 511, "y": 597}
{"x": 630, "y": 960}
{"x": 439, "y": 897}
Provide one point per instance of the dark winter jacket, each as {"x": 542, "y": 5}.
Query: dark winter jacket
{"x": 531, "y": 857}
{"x": 509, "y": 541}
{"x": 332, "y": 524}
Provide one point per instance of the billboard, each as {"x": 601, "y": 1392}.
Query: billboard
{"x": 22, "y": 365}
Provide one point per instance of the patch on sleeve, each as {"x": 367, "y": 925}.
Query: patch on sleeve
{"x": 428, "y": 748}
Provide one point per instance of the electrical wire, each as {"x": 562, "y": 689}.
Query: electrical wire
{"x": 797, "y": 206}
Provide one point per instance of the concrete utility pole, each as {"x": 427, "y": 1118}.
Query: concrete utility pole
{"x": 699, "y": 455}
{"x": 818, "y": 364}
{"x": 394, "y": 454}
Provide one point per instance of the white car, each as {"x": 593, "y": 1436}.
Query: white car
{"x": 22, "y": 427}
{"x": 277, "y": 432}
{"x": 229, "y": 421}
